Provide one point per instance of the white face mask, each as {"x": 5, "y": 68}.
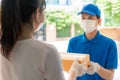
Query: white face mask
{"x": 88, "y": 25}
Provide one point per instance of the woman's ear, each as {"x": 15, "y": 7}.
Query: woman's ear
{"x": 38, "y": 19}
{"x": 39, "y": 16}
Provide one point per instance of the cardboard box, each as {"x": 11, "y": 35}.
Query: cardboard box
{"x": 111, "y": 32}
{"x": 68, "y": 59}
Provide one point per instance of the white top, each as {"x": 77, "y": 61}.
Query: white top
{"x": 32, "y": 60}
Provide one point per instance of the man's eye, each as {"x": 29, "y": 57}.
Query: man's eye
{"x": 83, "y": 18}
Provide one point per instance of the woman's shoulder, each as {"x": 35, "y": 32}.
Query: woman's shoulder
{"x": 38, "y": 48}
{"x": 43, "y": 45}
{"x": 34, "y": 44}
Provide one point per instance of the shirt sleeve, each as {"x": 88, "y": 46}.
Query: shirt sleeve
{"x": 112, "y": 61}
{"x": 54, "y": 70}
{"x": 69, "y": 46}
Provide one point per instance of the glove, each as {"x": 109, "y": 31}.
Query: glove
{"x": 77, "y": 68}
{"x": 94, "y": 67}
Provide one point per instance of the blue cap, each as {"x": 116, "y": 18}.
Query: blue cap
{"x": 91, "y": 9}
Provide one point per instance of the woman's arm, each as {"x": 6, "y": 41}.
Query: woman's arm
{"x": 54, "y": 69}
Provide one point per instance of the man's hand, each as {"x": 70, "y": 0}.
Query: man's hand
{"x": 78, "y": 69}
{"x": 94, "y": 67}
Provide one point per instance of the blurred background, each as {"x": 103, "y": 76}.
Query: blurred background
{"x": 61, "y": 15}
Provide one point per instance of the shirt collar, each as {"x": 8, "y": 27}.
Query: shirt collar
{"x": 94, "y": 40}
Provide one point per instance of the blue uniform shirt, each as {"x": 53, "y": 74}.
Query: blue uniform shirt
{"x": 101, "y": 49}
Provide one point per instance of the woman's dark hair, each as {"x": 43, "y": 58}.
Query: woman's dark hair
{"x": 14, "y": 13}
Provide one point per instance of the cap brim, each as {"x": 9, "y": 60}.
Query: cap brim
{"x": 78, "y": 13}
{"x": 91, "y": 13}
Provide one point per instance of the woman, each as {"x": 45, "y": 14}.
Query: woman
{"x": 22, "y": 57}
